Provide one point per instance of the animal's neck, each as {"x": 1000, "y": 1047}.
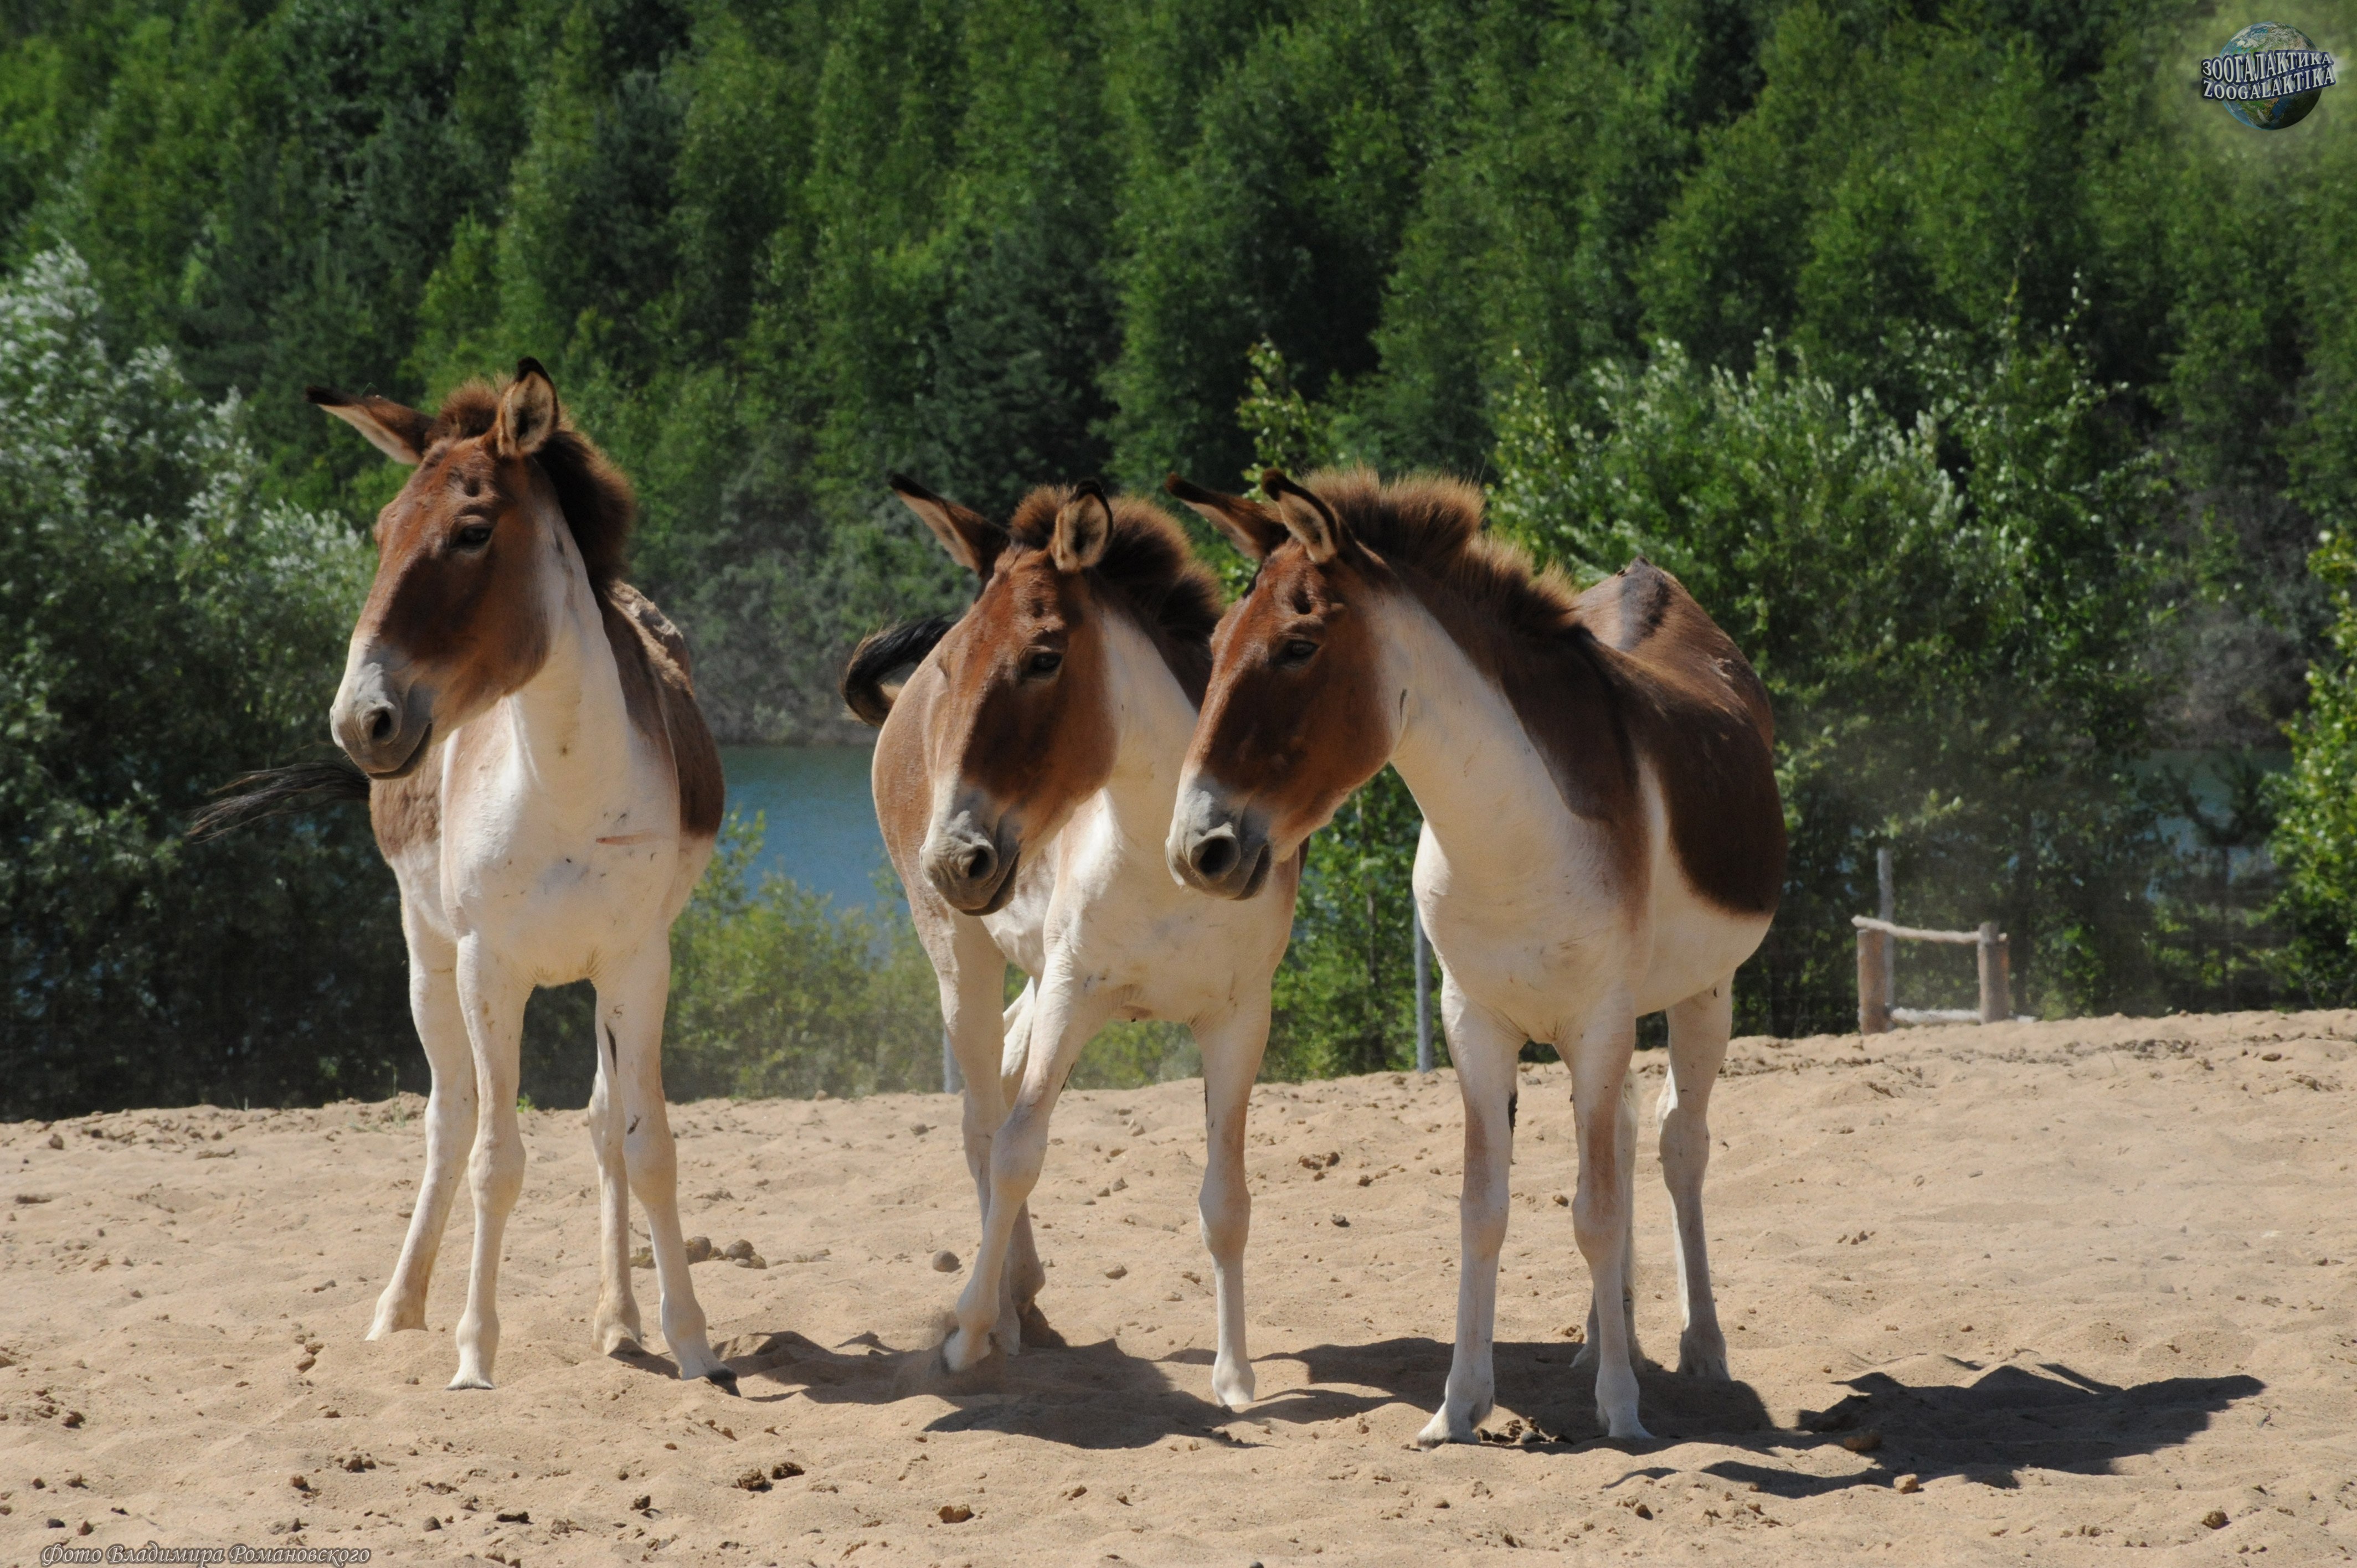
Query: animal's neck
{"x": 569, "y": 724}
{"x": 1152, "y": 722}
{"x": 1486, "y": 794}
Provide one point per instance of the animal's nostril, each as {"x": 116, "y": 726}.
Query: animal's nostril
{"x": 1215, "y": 857}
{"x": 379, "y": 725}
{"x": 979, "y": 861}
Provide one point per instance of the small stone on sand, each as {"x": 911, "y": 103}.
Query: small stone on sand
{"x": 945, "y": 1261}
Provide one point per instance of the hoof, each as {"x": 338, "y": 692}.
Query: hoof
{"x": 469, "y": 1380}
{"x": 390, "y": 1321}
{"x": 1234, "y": 1388}
{"x": 1629, "y": 1430}
{"x": 1442, "y": 1429}
{"x": 723, "y": 1378}
{"x": 1696, "y": 1361}
{"x": 964, "y": 1349}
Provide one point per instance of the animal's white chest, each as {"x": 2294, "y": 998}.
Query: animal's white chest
{"x": 559, "y": 890}
{"x": 1124, "y": 924}
{"x": 1533, "y": 933}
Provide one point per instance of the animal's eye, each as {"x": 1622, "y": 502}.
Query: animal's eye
{"x": 473, "y": 536}
{"x": 1044, "y": 662}
{"x": 1295, "y": 651}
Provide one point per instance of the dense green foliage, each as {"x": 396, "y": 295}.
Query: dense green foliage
{"x": 163, "y": 618}
{"x": 774, "y": 992}
{"x": 1984, "y": 701}
{"x": 1988, "y": 382}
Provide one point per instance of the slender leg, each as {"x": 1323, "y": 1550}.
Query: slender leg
{"x": 630, "y": 1002}
{"x": 449, "y": 1124}
{"x": 1232, "y": 1049}
{"x": 1063, "y": 1019}
{"x": 1015, "y": 1027}
{"x": 1626, "y": 1147}
{"x": 1600, "y": 1068}
{"x": 1698, "y": 1029}
{"x": 1026, "y": 1276}
{"x": 616, "y": 1326}
{"x": 1484, "y": 1048}
{"x": 973, "y": 976}
{"x": 491, "y": 998}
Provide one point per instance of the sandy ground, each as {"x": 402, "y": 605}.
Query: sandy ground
{"x": 2034, "y": 1291}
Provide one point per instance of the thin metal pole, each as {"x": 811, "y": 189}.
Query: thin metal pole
{"x": 1886, "y": 884}
{"x": 950, "y": 1083}
{"x": 1423, "y": 991}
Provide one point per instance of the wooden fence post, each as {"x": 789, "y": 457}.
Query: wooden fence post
{"x": 1996, "y": 980}
{"x": 1873, "y": 982}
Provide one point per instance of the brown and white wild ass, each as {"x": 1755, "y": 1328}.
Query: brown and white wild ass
{"x": 546, "y": 792}
{"x": 1602, "y": 838}
{"x": 1024, "y": 780}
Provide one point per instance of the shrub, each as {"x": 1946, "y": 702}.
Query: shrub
{"x": 165, "y": 627}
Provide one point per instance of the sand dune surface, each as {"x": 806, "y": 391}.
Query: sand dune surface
{"x": 2039, "y": 1292}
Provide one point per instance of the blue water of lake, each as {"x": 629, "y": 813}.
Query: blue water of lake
{"x": 821, "y": 815}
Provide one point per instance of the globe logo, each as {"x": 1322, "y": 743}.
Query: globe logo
{"x": 2268, "y": 76}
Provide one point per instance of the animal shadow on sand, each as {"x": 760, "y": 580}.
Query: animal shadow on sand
{"x": 2009, "y": 1418}
{"x": 1102, "y": 1396}
{"x": 1086, "y": 1396}
{"x": 2005, "y": 1419}
{"x": 1555, "y": 1400}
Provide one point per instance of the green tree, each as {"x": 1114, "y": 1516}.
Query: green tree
{"x": 169, "y": 625}
{"x": 1951, "y": 616}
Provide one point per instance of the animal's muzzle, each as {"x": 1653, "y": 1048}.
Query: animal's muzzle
{"x": 972, "y": 867}
{"x": 384, "y": 723}
{"x": 1215, "y": 848}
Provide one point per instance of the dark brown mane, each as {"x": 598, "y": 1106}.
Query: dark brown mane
{"x": 1431, "y": 525}
{"x": 1148, "y": 568}
{"x": 597, "y": 500}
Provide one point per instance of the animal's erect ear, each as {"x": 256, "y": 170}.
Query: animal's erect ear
{"x": 528, "y": 412}
{"x": 1246, "y": 524}
{"x": 973, "y": 541}
{"x": 1307, "y": 518}
{"x": 1082, "y": 527}
{"x": 396, "y": 431}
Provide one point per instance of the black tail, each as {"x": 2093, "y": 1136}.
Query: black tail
{"x": 885, "y": 653}
{"x": 274, "y": 791}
